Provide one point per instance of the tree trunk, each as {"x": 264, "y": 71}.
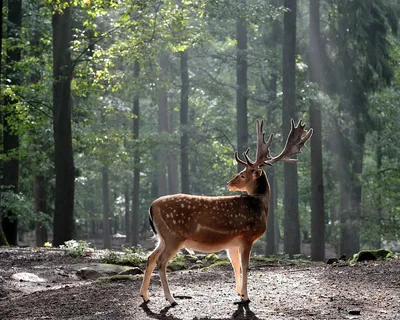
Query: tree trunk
{"x": 10, "y": 138}
{"x": 378, "y": 221}
{"x": 136, "y": 164}
{"x": 3, "y": 239}
{"x": 271, "y": 235}
{"x": 184, "y": 116}
{"x": 39, "y": 190}
{"x": 162, "y": 126}
{"x": 62, "y": 104}
{"x": 241, "y": 83}
{"x": 317, "y": 184}
{"x": 291, "y": 197}
{"x": 106, "y": 209}
{"x": 173, "y": 180}
{"x": 127, "y": 214}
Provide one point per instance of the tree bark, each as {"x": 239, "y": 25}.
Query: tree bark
{"x": 173, "y": 179}
{"x": 136, "y": 164}
{"x": 162, "y": 126}
{"x": 184, "y": 119}
{"x": 127, "y": 214}
{"x": 40, "y": 194}
{"x": 10, "y": 138}
{"x": 241, "y": 83}
{"x": 271, "y": 235}
{"x": 317, "y": 183}
{"x": 62, "y": 104}
{"x": 106, "y": 209}
{"x": 272, "y": 41}
{"x": 378, "y": 215}
{"x": 291, "y": 197}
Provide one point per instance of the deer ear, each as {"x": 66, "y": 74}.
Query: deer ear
{"x": 257, "y": 173}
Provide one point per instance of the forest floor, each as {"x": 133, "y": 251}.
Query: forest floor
{"x": 43, "y": 284}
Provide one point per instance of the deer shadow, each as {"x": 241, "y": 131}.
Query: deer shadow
{"x": 243, "y": 312}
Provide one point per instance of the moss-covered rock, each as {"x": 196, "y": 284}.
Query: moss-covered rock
{"x": 212, "y": 257}
{"x": 219, "y": 263}
{"x": 117, "y": 278}
{"x": 368, "y": 255}
{"x": 177, "y": 265}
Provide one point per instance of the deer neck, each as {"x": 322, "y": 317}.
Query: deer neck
{"x": 260, "y": 187}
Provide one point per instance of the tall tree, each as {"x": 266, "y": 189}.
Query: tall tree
{"x": 241, "y": 81}
{"x": 272, "y": 42}
{"x": 162, "y": 125}
{"x": 3, "y": 239}
{"x": 289, "y": 110}
{"x": 173, "y": 179}
{"x": 364, "y": 65}
{"x": 136, "y": 163}
{"x": 127, "y": 199}
{"x": 40, "y": 195}
{"x": 106, "y": 207}
{"x": 62, "y": 106}
{"x": 10, "y": 137}
{"x": 184, "y": 117}
{"x": 317, "y": 183}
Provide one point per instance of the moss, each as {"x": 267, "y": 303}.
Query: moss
{"x": 177, "y": 265}
{"x": 3, "y": 239}
{"x": 221, "y": 262}
{"x": 212, "y": 257}
{"x": 368, "y": 255}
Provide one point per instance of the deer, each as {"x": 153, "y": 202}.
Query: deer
{"x": 212, "y": 224}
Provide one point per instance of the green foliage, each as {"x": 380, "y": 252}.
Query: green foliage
{"x": 77, "y": 249}
{"x": 22, "y": 209}
{"x": 128, "y": 257}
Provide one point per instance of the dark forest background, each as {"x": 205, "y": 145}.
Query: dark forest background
{"x": 107, "y": 105}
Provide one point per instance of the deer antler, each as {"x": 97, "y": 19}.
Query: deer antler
{"x": 296, "y": 140}
{"x": 294, "y": 143}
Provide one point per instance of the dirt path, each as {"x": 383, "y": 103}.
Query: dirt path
{"x": 363, "y": 291}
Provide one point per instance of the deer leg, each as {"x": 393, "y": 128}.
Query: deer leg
{"x": 162, "y": 261}
{"x": 151, "y": 263}
{"x": 233, "y": 255}
{"x": 245, "y": 251}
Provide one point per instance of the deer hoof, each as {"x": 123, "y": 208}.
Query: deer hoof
{"x": 174, "y": 303}
{"x": 144, "y": 299}
{"x": 242, "y": 302}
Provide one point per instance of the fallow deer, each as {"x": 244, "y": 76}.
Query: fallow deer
{"x": 212, "y": 224}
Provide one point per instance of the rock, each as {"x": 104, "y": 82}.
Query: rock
{"x": 131, "y": 271}
{"x": 191, "y": 258}
{"x": 355, "y": 312}
{"x": 104, "y": 268}
{"x": 211, "y": 257}
{"x": 88, "y": 274}
{"x": 332, "y": 260}
{"x": 372, "y": 255}
{"x": 175, "y": 266}
{"x": 28, "y": 277}
{"x": 195, "y": 267}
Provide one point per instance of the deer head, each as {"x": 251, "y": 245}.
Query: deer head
{"x": 248, "y": 179}
{"x": 212, "y": 224}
